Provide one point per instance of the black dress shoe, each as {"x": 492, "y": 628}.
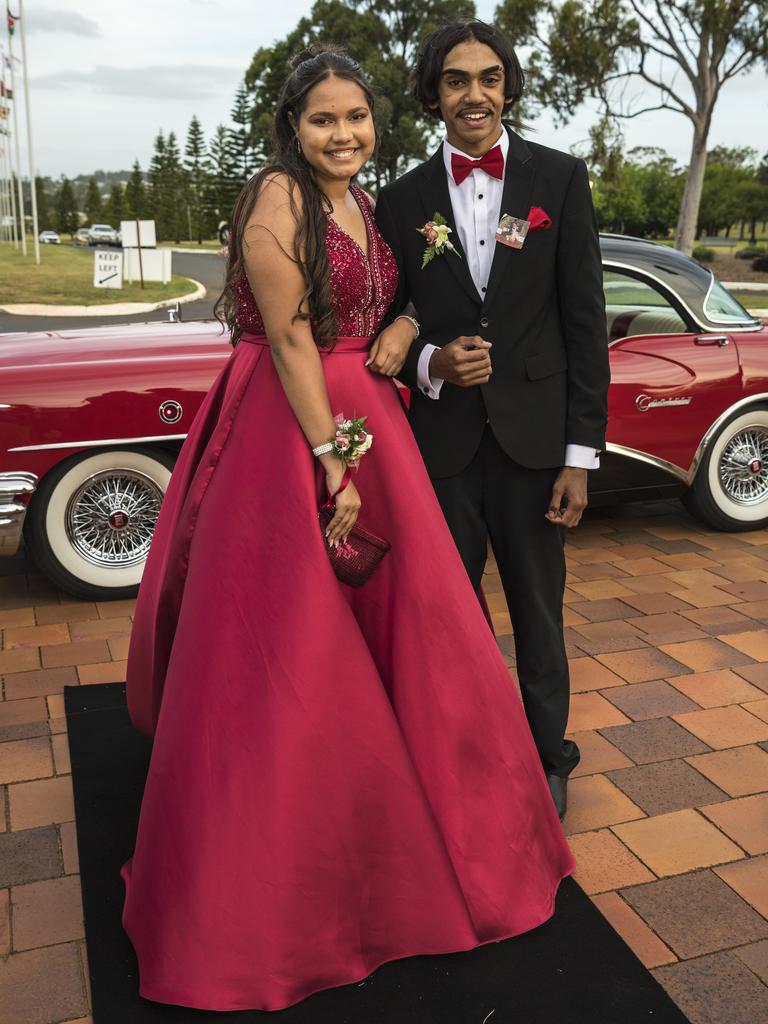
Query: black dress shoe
{"x": 558, "y": 787}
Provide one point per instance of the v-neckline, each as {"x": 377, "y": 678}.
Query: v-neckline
{"x": 365, "y": 224}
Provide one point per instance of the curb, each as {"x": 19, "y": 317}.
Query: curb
{"x": 193, "y": 252}
{"x": 105, "y": 309}
{"x": 746, "y": 286}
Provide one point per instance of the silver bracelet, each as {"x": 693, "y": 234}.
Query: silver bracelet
{"x": 323, "y": 449}
{"x": 404, "y": 316}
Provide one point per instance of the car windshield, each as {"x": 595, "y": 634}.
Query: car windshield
{"x": 721, "y": 307}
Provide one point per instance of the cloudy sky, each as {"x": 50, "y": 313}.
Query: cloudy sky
{"x": 104, "y": 78}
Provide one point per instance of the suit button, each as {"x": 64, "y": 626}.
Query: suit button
{"x": 483, "y": 321}
{"x": 425, "y": 390}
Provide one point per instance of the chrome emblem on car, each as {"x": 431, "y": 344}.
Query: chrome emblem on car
{"x": 170, "y": 411}
{"x": 645, "y": 402}
{"x": 118, "y": 519}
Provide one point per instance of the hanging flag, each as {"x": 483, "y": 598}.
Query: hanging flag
{"x": 4, "y": 112}
{"x": 11, "y": 21}
{"x": 6, "y": 91}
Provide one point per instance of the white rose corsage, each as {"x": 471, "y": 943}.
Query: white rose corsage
{"x": 436, "y": 232}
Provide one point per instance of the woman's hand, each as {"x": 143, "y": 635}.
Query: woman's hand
{"x": 390, "y": 349}
{"x": 347, "y": 505}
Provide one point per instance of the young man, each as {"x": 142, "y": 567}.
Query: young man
{"x": 509, "y": 375}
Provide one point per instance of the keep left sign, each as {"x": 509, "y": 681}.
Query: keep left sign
{"x": 107, "y": 269}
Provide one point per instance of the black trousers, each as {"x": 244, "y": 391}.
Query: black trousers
{"x": 497, "y": 497}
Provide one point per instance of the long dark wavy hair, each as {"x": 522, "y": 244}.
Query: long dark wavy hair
{"x": 317, "y": 303}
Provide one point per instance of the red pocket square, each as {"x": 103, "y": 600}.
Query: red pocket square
{"x": 539, "y": 219}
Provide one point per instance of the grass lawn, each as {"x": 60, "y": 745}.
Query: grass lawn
{"x": 65, "y": 277}
{"x": 752, "y": 300}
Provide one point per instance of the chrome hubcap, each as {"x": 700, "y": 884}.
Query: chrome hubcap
{"x": 111, "y": 517}
{"x": 743, "y": 466}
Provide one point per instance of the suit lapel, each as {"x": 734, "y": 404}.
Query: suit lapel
{"x": 435, "y": 197}
{"x": 519, "y": 175}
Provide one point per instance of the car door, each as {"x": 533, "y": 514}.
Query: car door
{"x": 669, "y": 381}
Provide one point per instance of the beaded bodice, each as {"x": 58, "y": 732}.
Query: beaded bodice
{"x": 363, "y": 284}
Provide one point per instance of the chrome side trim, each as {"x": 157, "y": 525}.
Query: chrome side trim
{"x": 687, "y": 475}
{"x": 641, "y": 272}
{"x": 651, "y": 460}
{"x": 12, "y": 511}
{"x": 96, "y": 444}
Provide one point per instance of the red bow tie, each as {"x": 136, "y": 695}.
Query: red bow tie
{"x": 492, "y": 163}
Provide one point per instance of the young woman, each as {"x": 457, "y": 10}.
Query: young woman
{"x": 340, "y": 777}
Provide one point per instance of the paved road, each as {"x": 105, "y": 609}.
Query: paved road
{"x": 206, "y": 267}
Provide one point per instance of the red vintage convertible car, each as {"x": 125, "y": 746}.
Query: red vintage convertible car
{"x": 91, "y": 421}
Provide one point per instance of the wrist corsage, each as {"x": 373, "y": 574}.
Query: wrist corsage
{"x": 351, "y": 442}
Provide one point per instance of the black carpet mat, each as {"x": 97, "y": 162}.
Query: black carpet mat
{"x": 574, "y": 969}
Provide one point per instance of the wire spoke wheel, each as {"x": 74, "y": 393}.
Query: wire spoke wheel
{"x": 111, "y": 517}
{"x": 743, "y": 467}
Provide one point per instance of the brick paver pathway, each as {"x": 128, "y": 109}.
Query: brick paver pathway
{"x": 667, "y": 632}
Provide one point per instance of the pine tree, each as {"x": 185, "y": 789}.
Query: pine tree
{"x": 240, "y": 137}
{"x": 155, "y": 183}
{"x": 67, "y": 217}
{"x": 197, "y": 178}
{"x": 136, "y": 194}
{"x": 174, "y": 191}
{"x": 114, "y": 210}
{"x": 93, "y": 206}
{"x": 224, "y": 182}
{"x": 44, "y": 215}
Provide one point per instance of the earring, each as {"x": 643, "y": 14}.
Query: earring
{"x": 298, "y": 145}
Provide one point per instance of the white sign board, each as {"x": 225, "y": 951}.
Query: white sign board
{"x": 155, "y": 265}
{"x": 107, "y": 268}
{"x": 132, "y": 236}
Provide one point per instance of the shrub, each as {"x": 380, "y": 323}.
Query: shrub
{"x": 703, "y": 254}
{"x": 751, "y": 251}
{"x": 761, "y": 264}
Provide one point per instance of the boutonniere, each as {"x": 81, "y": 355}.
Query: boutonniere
{"x": 436, "y": 232}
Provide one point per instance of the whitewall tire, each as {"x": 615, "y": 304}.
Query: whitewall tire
{"x": 730, "y": 490}
{"x": 92, "y": 518}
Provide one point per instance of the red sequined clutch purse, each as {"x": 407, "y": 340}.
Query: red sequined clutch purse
{"x": 355, "y": 561}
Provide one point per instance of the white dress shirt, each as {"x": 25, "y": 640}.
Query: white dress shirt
{"x": 476, "y": 204}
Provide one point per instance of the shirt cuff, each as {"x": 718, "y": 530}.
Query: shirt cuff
{"x": 580, "y": 457}
{"x": 429, "y": 386}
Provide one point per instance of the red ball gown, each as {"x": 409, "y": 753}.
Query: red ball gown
{"x": 339, "y": 777}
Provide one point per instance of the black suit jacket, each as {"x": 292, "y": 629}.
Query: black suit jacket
{"x": 543, "y": 310}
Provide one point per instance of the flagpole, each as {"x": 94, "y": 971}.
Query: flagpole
{"x": 11, "y": 193}
{"x": 30, "y": 158}
{"x": 17, "y": 132}
{"x": 7, "y": 172}
{"x": 5, "y": 206}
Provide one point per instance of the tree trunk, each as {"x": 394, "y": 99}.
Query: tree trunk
{"x": 752, "y": 231}
{"x": 689, "y": 207}
{"x": 741, "y": 231}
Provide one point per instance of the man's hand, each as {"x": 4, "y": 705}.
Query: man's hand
{"x": 570, "y": 487}
{"x": 390, "y": 349}
{"x": 465, "y": 361}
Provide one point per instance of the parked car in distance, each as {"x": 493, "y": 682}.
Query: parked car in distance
{"x": 91, "y": 420}
{"x": 103, "y": 234}
{"x": 82, "y": 236}
{"x": 49, "y": 238}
